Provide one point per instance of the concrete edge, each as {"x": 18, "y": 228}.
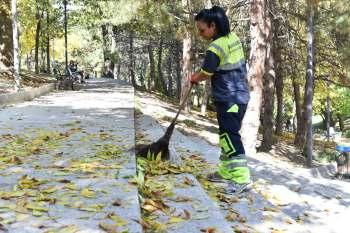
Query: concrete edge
{"x": 326, "y": 171}
{"x": 18, "y": 97}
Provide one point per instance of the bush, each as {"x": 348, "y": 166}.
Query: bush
{"x": 327, "y": 155}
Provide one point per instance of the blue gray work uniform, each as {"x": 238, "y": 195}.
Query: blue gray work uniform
{"x": 225, "y": 63}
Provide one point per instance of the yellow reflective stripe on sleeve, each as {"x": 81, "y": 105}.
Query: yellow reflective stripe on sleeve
{"x": 218, "y": 51}
{"x": 206, "y": 73}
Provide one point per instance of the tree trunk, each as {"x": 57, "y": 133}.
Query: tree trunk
{"x": 114, "y": 56}
{"x": 142, "y": 74}
{"x": 256, "y": 71}
{"x": 118, "y": 71}
{"x": 170, "y": 71}
{"x": 341, "y": 122}
{"x": 186, "y": 56}
{"x": 37, "y": 37}
{"x": 105, "y": 41}
{"x": 328, "y": 114}
{"x": 279, "y": 97}
{"x": 178, "y": 69}
{"x": 27, "y": 62}
{"x": 65, "y": 35}
{"x": 131, "y": 59}
{"x": 151, "y": 67}
{"x": 207, "y": 86}
{"x": 42, "y": 61}
{"x": 279, "y": 84}
{"x": 299, "y": 140}
{"x": 48, "y": 68}
{"x": 162, "y": 84}
{"x": 269, "y": 88}
{"x": 6, "y": 40}
{"x": 17, "y": 78}
{"x": 206, "y": 94}
{"x": 107, "y": 47}
{"x": 309, "y": 81}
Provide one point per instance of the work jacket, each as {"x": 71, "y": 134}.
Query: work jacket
{"x": 225, "y": 62}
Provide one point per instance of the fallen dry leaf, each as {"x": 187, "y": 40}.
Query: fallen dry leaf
{"x": 3, "y": 228}
{"x": 187, "y": 214}
{"x": 143, "y": 223}
{"x": 183, "y": 199}
{"x": 175, "y": 220}
{"x": 117, "y": 202}
{"x": 188, "y": 181}
{"x": 109, "y": 228}
{"x": 231, "y": 217}
{"x": 209, "y": 230}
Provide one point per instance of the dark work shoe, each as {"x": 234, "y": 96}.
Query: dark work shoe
{"x": 216, "y": 177}
{"x": 235, "y": 188}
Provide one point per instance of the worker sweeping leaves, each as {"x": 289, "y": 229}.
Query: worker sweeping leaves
{"x": 225, "y": 66}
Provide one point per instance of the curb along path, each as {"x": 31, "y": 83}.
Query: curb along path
{"x": 12, "y": 98}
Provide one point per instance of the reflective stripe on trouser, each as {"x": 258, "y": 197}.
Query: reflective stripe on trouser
{"x": 235, "y": 170}
{"x": 233, "y": 164}
{"x": 230, "y": 118}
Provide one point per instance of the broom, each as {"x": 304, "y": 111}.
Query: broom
{"x": 162, "y": 144}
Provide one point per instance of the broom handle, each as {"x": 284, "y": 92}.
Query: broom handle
{"x": 183, "y": 103}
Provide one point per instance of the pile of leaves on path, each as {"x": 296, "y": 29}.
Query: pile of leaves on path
{"x": 156, "y": 181}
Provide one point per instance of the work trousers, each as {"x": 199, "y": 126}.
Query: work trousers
{"x": 233, "y": 164}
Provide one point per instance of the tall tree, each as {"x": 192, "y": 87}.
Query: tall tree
{"x": 178, "y": 68}
{"x": 207, "y": 89}
{"x": 39, "y": 16}
{"x": 48, "y": 24}
{"x": 269, "y": 80}
{"x": 279, "y": 82}
{"x": 251, "y": 121}
{"x": 65, "y": 34}
{"x": 161, "y": 84}
{"x": 328, "y": 113}
{"x": 169, "y": 71}
{"x": 6, "y": 40}
{"x": 17, "y": 78}
{"x": 151, "y": 66}
{"x": 186, "y": 51}
{"x": 309, "y": 80}
{"x": 131, "y": 58}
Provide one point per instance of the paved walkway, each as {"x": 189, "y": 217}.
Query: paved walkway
{"x": 65, "y": 162}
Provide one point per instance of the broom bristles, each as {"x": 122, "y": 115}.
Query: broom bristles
{"x": 160, "y": 146}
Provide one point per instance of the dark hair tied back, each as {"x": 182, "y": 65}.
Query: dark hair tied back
{"x": 217, "y": 16}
